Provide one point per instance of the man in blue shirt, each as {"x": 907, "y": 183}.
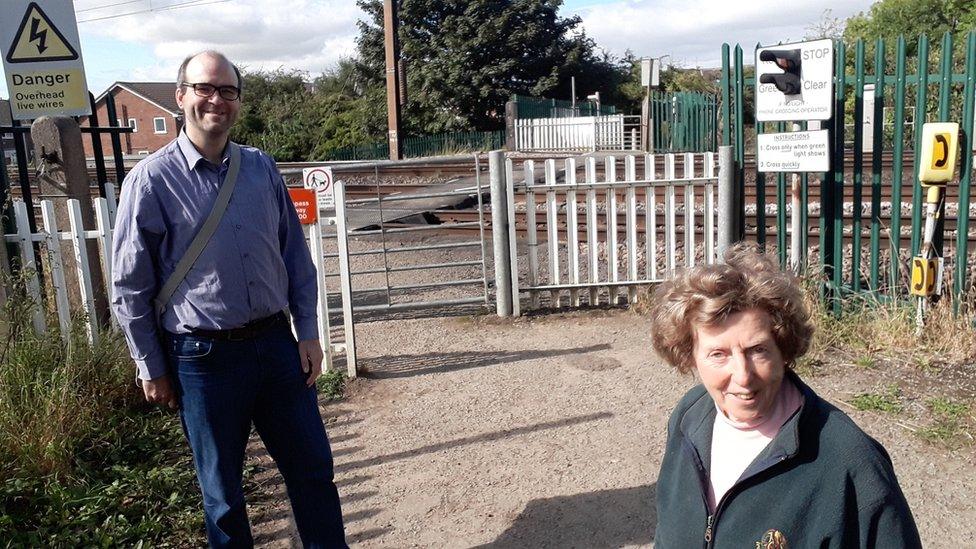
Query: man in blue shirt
{"x": 222, "y": 350}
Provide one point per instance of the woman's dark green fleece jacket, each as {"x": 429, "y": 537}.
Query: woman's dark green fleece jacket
{"x": 821, "y": 482}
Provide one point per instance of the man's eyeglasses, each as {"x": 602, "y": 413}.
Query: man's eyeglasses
{"x": 230, "y": 93}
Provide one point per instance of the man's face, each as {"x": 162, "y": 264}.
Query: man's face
{"x": 212, "y": 115}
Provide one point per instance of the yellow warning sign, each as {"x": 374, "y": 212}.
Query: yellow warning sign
{"x": 42, "y": 59}
{"x": 38, "y": 39}
{"x": 940, "y": 141}
{"x": 43, "y": 92}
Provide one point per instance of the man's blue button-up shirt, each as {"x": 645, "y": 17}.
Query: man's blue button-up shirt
{"x": 255, "y": 265}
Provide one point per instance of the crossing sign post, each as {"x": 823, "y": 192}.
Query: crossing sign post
{"x": 42, "y": 59}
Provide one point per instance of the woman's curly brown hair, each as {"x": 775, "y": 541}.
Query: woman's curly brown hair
{"x": 709, "y": 294}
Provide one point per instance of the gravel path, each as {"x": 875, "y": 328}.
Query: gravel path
{"x": 543, "y": 432}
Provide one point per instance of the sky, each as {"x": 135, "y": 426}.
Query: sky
{"x": 145, "y": 40}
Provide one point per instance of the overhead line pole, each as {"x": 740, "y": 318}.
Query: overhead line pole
{"x": 392, "y": 81}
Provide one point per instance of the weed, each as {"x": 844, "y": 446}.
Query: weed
{"x": 949, "y": 428}
{"x": 332, "y": 385}
{"x": 808, "y": 366}
{"x": 944, "y": 432}
{"x": 865, "y": 362}
{"x": 944, "y": 407}
{"x": 888, "y": 402}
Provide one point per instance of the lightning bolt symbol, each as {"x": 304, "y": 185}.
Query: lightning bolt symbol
{"x": 41, "y": 37}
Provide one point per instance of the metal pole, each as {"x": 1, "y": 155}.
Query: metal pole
{"x": 572, "y": 85}
{"x": 481, "y": 225}
{"x": 795, "y": 231}
{"x": 345, "y": 279}
{"x": 499, "y": 233}
{"x": 727, "y": 214}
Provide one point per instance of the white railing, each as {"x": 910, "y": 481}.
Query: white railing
{"x": 51, "y": 238}
{"x": 50, "y": 261}
{"x": 581, "y": 133}
{"x": 568, "y": 209}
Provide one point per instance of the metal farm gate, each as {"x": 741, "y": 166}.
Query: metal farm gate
{"x": 386, "y": 260}
{"x": 863, "y": 241}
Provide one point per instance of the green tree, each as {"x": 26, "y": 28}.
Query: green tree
{"x": 295, "y": 119}
{"x": 889, "y": 19}
{"x": 466, "y": 58}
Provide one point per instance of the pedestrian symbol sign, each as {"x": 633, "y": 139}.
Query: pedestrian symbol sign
{"x": 38, "y": 39}
{"x": 320, "y": 180}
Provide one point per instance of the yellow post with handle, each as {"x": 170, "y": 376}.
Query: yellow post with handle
{"x": 936, "y": 168}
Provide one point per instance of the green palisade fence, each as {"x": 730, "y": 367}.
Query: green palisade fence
{"x": 684, "y": 121}
{"x": 860, "y": 221}
{"x": 540, "y": 107}
{"x": 431, "y": 145}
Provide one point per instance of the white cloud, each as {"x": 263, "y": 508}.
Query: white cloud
{"x": 309, "y": 35}
{"x": 692, "y": 31}
{"x": 312, "y": 35}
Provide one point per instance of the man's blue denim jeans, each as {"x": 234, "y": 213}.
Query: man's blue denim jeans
{"x": 224, "y": 387}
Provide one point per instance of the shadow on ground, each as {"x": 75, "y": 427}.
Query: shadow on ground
{"x": 608, "y": 518}
{"x": 345, "y": 467}
{"x": 394, "y": 366}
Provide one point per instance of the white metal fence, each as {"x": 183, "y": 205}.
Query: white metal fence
{"x": 581, "y": 250}
{"x": 49, "y": 239}
{"x": 581, "y": 133}
{"x": 52, "y": 287}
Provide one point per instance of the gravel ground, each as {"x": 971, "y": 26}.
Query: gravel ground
{"x": 466, "y": 430}
{"x": 548, "y": 431}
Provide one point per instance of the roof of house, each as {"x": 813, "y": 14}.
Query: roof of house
{"x": 161, "y": 94}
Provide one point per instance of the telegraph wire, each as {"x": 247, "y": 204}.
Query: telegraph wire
{"x": 103, "y": 6}
{"x": 189, "y": 4}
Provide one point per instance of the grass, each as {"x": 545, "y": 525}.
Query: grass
{"x": 84, "y": 461}
{"x": 888, "y": 402}
{"x": 950, "y": 427}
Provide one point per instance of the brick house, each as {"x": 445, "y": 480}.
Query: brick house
{"x": 148, "y": 107}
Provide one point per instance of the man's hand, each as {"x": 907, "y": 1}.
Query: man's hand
{"x": 160, "y": 391}
{"x": 310, "y": 353}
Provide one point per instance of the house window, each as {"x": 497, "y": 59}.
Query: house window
{"x": 132, "y": 124}
{"x": 159, "y": 125}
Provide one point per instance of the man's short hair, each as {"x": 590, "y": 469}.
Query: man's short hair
{"x": 181, "y": 75}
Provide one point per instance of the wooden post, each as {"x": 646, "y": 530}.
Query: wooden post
{"x": 392, "y": 86}
{"x": 62, "y": 175}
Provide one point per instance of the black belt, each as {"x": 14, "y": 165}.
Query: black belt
{"x": 250, "y": 330}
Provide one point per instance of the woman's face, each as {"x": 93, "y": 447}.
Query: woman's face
{"x": 740, "y": 365}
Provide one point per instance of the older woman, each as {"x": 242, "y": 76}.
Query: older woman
{"x": 754, "y": 457}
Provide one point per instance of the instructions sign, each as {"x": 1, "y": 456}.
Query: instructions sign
{"x": 795, "y": 81}
{"x": 320, "y": 180}
{"x": 42, "y": 59}
{"x": 304, "y": 201}
{"x": 793, "y": 152}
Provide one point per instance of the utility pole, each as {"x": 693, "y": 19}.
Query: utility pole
{"x": 392, "y": 80}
